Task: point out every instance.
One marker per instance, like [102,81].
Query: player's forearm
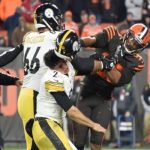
[97,66]
[87,41]
[114,75]
[7,80]
[8,56]
[79,117]
[86,66]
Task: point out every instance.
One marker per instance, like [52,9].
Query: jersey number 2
[34,66]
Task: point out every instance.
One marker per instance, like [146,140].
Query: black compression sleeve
[8,56]
[126,76]
[63,100]
[7,80]
[101,39]
[84,66]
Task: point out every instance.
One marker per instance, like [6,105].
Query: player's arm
[125,76]
[120,77]
[56,89]
[134,64]
[100,39]
[9,80]
[73,112]
[8,56]
[86,66]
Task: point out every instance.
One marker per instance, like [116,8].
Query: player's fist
[108,64]
[98,128]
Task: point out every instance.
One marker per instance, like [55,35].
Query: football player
[96,94]
[53,99]
[48,22]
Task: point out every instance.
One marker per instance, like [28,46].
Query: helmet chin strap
[47,24]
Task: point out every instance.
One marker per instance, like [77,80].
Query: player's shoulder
[31,33]
[33,37]
[51,34]
[53,76]
[111,31]
[54,81]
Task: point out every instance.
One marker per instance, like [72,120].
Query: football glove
[108,63]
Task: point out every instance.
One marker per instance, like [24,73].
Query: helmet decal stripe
[143,32]
[63,39]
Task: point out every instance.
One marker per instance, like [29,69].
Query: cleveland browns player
[96,94]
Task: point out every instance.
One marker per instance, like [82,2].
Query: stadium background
[10,123]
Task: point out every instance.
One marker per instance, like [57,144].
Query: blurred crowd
[86,17]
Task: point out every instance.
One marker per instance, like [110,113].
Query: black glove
[108,63]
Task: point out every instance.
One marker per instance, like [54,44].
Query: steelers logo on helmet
[49,13]
[75,46]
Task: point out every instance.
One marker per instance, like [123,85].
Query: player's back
[35,46]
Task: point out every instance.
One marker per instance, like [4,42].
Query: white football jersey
[35,46]
[54,81]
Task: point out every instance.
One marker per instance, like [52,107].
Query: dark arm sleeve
[126,76]
[104,37]
[8,56]
[101,39]
[7,80]
[63,100]
[83,66]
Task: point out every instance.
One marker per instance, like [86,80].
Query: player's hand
[108,63]
[98,128]
[18,83]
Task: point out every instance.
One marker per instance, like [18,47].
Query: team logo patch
[49,13]
[75,46]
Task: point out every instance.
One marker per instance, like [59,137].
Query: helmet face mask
[132,43]
[48,15]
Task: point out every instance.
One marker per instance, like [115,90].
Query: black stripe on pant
[51,135]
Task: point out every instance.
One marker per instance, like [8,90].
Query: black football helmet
[48,15]
[67,44]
